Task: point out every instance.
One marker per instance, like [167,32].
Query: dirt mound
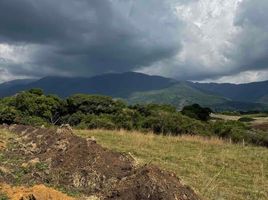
[149,182]
[38,192]
[69,160]
[61,159]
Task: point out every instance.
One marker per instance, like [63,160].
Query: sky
[199,40]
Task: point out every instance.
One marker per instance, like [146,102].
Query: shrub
[32,121]
[74,119]
[97,122]
[197,112]
[235,130]
[162,123]
[258,138]
[8,114]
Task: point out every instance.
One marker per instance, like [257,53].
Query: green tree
[32,104]
[197,112]
[93,104]
[8,114]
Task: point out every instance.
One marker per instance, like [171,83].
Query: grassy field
[214,168]
[258,118]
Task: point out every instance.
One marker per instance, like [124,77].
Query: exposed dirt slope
[61,159]
[149,182]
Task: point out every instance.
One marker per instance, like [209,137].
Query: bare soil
[149,182]
[60,159]
[38,192]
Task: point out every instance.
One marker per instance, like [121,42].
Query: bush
[197,112]
[33,121]
[97,122]
[74,119]
[8,114]
[258,138]
[230,129]
[162,123]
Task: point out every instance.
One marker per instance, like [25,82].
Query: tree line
[83,111]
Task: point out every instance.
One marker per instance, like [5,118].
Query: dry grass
[258,118]
[226,117]
[4,137]
[216,169]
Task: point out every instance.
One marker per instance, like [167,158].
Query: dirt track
[60,159]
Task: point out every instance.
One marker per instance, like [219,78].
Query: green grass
[215,169]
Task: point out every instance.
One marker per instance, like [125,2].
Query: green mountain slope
[178,95]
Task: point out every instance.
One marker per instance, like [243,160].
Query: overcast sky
[203,40]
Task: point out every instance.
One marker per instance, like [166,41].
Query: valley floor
[214,168]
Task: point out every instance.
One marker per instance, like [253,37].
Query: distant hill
[115,85]
[11,87]
[179,95]
[250,92]
[141,88]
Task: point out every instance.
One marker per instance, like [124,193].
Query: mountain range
[141,88]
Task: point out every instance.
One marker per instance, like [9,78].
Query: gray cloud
[184,39]
[88,37]
[251,50]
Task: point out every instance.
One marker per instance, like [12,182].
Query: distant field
[225,117]
[216,169]
[258,118]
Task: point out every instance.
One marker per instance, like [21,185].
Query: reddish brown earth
[38,192]
[60,159]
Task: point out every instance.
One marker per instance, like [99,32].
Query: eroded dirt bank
[60,159]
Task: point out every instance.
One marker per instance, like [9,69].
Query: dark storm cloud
[85,37]
[184,39]
[252,43]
